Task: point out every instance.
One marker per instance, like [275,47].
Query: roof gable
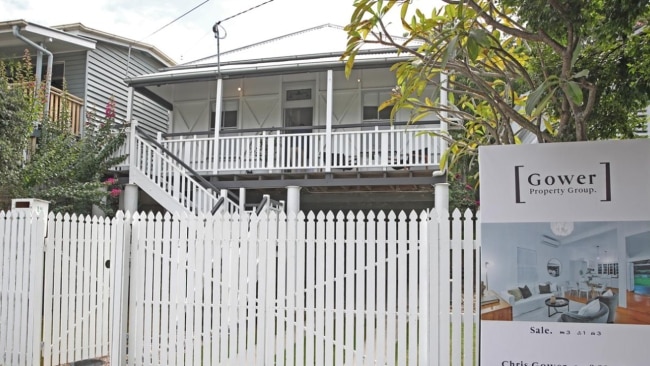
[83,31]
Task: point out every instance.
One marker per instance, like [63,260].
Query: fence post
[441,197]
[432,352]
[37,245]
[22,243]
[119,265]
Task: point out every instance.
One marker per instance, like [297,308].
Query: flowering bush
[113,187]
[69,170]
[109,112]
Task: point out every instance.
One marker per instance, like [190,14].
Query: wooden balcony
[66,108]
[364,147]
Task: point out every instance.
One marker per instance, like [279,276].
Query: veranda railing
[360,146]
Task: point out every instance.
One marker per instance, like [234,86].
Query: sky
[191,37]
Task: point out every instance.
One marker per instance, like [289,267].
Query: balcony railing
[347,147]
[66,108]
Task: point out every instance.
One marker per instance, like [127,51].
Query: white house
[290,125]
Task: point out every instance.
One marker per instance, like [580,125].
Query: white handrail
[173,179]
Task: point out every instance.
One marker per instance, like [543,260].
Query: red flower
[110,181]
[110,109]
[115,192]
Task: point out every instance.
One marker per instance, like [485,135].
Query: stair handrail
[206,183]
[262,204]
[266,199]
[217,205]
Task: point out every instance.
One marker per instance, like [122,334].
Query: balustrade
[395,147]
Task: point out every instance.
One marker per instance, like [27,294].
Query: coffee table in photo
[557,305]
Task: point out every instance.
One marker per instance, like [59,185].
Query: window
[229,113]
[608,269]
[58,72]
[298,105]
[294,117]
[371,102]
[298,94]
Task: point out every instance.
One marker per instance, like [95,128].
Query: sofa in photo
[529,297]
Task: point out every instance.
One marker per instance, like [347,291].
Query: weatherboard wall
[107,67]
[74,72]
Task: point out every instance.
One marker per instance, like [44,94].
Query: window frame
[371,100]
[303,100]
[228,106]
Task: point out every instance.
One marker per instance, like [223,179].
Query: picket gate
[76,289]
[307,289]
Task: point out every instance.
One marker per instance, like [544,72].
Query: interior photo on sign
[582,272]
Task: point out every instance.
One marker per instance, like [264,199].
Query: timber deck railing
[361,146]
[66,105]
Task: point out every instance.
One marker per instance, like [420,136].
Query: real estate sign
[565,256]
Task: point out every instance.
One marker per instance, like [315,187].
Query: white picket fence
[54,299]
[21,273]
[316,289]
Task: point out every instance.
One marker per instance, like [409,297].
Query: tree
[67,170]
[15,119]
[612,48]
[515,67]
[70,172]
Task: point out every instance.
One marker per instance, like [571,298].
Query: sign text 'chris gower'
[596,183]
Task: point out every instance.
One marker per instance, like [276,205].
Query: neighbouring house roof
[314,49]
[79,29]
[54,40]
[67,38]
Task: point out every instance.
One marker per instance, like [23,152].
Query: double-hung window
[371,102]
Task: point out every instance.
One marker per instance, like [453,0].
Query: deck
[274,151]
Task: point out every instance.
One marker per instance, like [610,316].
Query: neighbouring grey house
[279,119]
[93,64]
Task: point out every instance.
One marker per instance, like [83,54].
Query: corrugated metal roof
[326,39]
[211,72]
[312,49]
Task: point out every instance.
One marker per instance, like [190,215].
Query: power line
[178,18]
[217,25]
[241,13]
